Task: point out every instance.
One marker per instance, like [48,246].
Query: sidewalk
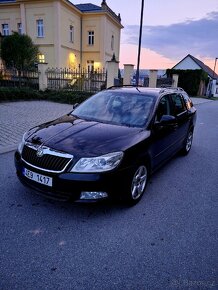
[17,117]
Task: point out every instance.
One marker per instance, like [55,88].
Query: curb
[8,149]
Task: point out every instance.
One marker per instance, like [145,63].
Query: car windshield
[119,108]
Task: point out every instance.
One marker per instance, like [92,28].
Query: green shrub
[17,94]
[189,79]
[25,94]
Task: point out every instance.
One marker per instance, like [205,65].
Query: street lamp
[139,48]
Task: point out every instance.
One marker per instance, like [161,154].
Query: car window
[178,105]
[188,101]
[121,108]
[163,107]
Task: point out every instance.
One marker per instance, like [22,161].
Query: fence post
[153,78]
[128,72]
[112,71]
[43,80]
[175,80]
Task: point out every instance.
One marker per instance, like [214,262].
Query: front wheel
[137,185]
[188,143]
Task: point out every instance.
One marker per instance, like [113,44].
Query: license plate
[43,179]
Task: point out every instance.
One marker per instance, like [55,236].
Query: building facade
[68,35]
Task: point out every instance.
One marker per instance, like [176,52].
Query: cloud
[196,37]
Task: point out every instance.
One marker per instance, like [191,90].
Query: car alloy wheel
[188,143]
[139,182]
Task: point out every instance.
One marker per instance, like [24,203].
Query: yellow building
[67,35]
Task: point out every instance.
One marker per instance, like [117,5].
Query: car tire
[136,186]
[187,143]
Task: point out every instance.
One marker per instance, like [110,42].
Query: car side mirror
[165,120]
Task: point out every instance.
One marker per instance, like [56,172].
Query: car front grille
[51,160]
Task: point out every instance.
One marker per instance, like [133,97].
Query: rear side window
[178,104]
[188,101]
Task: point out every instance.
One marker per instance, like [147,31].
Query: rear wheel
[188,143]
[137,185]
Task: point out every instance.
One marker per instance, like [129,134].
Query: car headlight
[21,144]
[98,164]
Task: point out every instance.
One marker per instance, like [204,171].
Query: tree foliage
[18,50]
[189,79]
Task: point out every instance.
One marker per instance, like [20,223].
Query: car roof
[137,90]
[156,92]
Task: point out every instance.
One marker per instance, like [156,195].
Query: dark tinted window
[188,101]
[178,105]
[163,107]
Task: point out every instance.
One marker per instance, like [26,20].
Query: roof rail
[125,86]
[172,88]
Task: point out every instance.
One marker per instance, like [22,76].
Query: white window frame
[71,33]
[91,37]
[90,65]
[19,28]
[40,28]
[5,29]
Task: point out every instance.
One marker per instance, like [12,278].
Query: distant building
[191,62]
[67,35]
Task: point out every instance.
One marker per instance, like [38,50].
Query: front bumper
[69,186]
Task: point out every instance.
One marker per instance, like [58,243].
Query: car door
[179,111]
[163,135]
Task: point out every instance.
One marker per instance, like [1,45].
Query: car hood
[85,138]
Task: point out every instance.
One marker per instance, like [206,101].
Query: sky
[171,30]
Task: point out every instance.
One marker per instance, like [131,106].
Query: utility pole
[139,47]
[214,67]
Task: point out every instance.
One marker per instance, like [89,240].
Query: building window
[112,42]
[90,65]
[19,28]
[41,58]
[5,29]
[91,37]
[40,28]
[71,33]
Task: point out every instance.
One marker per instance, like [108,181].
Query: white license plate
[43,179]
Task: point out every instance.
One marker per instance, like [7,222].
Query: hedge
[26,94]
[189,79]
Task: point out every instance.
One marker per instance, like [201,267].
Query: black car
[107,146]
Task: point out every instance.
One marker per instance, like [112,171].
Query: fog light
[93,195]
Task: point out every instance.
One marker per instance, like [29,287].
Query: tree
[18,51]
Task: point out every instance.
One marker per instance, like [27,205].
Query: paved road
[168,241]
[17,117]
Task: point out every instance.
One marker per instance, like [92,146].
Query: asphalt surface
[167,241]
[17,117]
